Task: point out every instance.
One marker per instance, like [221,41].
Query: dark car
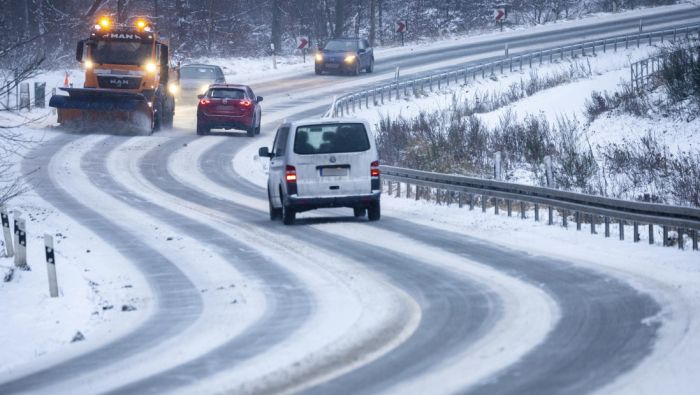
[345,55]
[195,80]
[229,106]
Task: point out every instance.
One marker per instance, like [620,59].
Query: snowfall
[102,295]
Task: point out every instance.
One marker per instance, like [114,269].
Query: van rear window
[331,139]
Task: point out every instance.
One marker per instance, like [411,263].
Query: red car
[229,106]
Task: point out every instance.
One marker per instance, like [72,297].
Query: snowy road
[334,304]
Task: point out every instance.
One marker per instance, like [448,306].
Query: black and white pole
[22,245]
[51,265]
[15,231]
[9,248]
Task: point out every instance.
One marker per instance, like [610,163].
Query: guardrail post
[578,220]
[391,187]
[593,48]
[417,195]
[627,39]
[483,203]
[635,229]
[565,219]
[551,215]
[509,206]
[622,229]
[529,59]
[674,35]
[521,62]
[583,50]
[607,226]
[605,42]
[551,55]
[460,200]
[408,191]
[615,45]
[431,83]
[540,57]
[437,196]
[537,212]
[561,53]
[439,83]
[665,235]
[651,233]
[367,100]
[650,39]
[495,206]
[638,39]
[398,189]
[9,248]
[695,239]
[522,210]
[681,241]
[593,231]
[51,265]
[471,201]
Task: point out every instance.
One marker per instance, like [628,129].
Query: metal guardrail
[394,90]
[643,72]
[585,208]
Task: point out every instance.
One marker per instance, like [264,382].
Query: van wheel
[359,212]
[288,215]
[275,213]
[374,211]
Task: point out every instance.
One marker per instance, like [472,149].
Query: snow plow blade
[87,107]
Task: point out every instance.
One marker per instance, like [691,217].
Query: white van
[320,163]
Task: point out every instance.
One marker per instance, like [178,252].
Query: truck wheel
[374,211]
[168,120]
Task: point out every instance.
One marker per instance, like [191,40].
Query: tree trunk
[381,22]
[339,18]
[372,22]
[276,33]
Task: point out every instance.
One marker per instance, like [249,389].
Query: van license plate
[334,171]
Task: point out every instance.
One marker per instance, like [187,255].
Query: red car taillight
[246,103]
[374,169]
[204,102]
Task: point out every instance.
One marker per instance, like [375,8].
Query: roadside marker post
[401,29]
[51,265]
[15,230]
[9,248]
[22,245]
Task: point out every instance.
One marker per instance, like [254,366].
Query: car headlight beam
[319,57]
[350,59]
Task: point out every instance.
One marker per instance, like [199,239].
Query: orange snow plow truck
[127,81]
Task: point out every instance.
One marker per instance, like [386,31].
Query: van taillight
[374,169]
[204,102]
[290,174]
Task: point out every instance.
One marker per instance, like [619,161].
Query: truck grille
[118,82]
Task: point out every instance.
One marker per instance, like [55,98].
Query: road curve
[178,301]
[601,331]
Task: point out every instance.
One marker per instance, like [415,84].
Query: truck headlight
[173,88]
[151,67]
[88,64]
[350,59]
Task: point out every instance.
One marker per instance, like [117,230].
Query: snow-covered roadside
[96,283]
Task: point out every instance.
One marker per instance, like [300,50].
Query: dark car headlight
[350,58]
[319,57]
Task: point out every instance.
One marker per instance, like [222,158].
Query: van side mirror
[200,96]
[79,51]
[259,99]
[264,152]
